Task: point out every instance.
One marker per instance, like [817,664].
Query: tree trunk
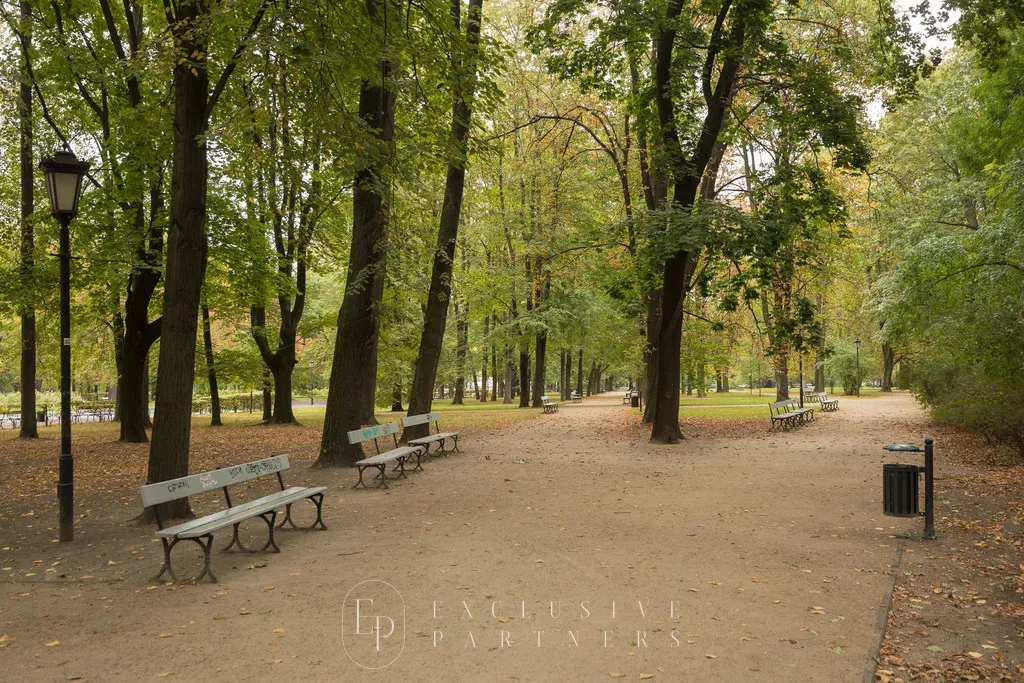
[524,376]
[509,370]
[462,341]
[561,376]
[27,265]
[396,398]
[436,314]
[819,357]
[355,349]
[186,255]
[482,397]
[539,361]
[211,370]
[494,367]
[650,352]
[268,396]
[283,411]
[702,386]
[679,267]
[782,372]
[888,362]
[579,374]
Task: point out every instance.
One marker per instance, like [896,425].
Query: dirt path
[762,558]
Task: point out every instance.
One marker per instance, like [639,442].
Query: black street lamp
[64,173]
[856,345]
[311,382]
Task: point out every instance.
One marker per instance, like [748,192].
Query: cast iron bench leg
[270,518]
[318,500]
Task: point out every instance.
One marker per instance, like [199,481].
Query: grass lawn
[744,397]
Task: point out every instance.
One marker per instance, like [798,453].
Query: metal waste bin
[634,400]
[900,490]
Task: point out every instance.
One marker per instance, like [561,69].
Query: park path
[558,548]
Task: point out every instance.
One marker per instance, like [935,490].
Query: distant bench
[439,437]
[548,405]
[787,414]
[828,405]
[202,528]
[576,398]
[380,461]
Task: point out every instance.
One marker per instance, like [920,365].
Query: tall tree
[27,265]
[353,382]
[190,25]
[463,66]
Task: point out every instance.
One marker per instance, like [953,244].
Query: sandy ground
[559,548]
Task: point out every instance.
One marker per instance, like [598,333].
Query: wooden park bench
[576,398]
[627,397]
[201,530]
[438,437]
[788,413]
[548,405]
[380,461]
[828,405]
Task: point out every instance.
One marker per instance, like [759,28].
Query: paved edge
[882,620]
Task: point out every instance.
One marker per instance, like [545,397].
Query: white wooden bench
[576,398]
[828,405]
[788,413]
[380,461]
[438,437]
[548,405]
[202,528]
[627,397]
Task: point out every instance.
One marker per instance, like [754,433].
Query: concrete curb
[882,620]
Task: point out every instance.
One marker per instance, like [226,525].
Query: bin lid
[902,447]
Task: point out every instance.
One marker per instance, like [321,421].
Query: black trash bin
[634,399]
[41,416]
[899,490]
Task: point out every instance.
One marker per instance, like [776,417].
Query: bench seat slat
[201,526]
[432,438]
[388,456]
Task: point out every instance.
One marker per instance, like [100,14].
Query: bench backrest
[183,487]
[412,420]
[780,407]
[545,399]
[374,433]
[823,396]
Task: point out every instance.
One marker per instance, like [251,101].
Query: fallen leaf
[57,642]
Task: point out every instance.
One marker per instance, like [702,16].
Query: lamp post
[856,345]
[311,382]
[64,173]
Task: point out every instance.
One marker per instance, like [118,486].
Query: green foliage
[842,365]
[950,217]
